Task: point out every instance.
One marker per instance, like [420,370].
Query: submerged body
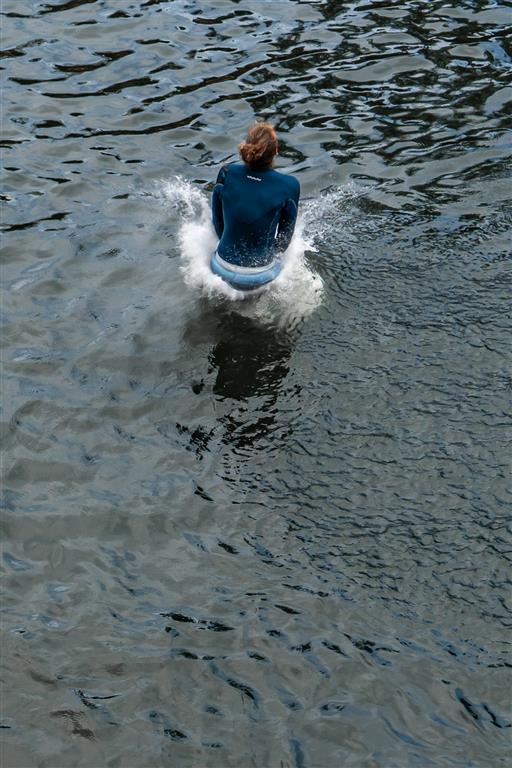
[254,214]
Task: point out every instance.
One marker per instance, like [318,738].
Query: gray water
[266,533]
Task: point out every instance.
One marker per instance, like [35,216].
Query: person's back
[254,207]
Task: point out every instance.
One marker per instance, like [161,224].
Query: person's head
[260,148]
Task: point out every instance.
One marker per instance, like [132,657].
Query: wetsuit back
[254,214]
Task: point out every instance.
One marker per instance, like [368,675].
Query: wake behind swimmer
[296,291]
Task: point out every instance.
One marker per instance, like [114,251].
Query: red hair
[260,148]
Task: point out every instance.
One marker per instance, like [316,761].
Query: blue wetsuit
[254,215]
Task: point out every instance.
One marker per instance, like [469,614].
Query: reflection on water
[267,532]
[247,364]
[249,361]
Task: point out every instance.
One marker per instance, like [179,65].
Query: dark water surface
[242,538]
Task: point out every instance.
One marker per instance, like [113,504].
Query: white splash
[293,295]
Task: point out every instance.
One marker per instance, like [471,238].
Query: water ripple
[272,532]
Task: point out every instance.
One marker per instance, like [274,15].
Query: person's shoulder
[291,183]
[237,169]
[295,182]
[227,169]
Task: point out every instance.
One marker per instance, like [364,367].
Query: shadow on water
[248,363]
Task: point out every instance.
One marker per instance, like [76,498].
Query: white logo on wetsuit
[254,178]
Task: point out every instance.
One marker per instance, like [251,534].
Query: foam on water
[295,293]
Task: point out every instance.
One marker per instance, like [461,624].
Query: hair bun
[261,146]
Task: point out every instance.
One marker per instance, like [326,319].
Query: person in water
[254,210]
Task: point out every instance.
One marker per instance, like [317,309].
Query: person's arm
[286,225]
[288,218]
[217,214]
